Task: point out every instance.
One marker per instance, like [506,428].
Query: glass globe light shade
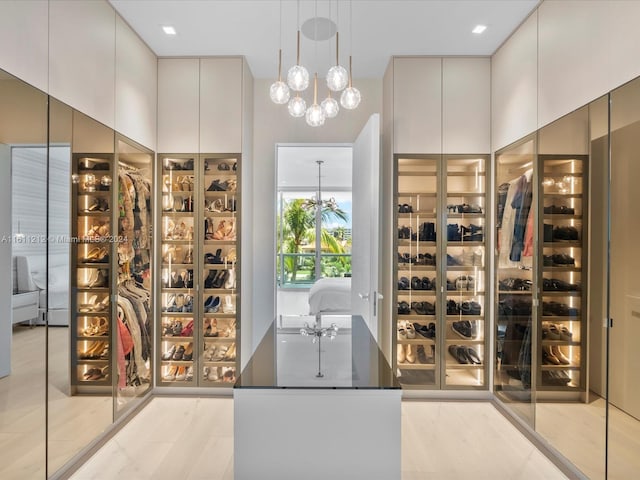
[297,106]
[350,98]
[337,78]
[330,107]
[315,116]
[298,78]
[279,92]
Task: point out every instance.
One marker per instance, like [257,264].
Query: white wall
[248,231]
[567,54]
[273,124]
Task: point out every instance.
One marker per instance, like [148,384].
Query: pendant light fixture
[279,91]
[350,98]
[338,79]
[298,76]
[330,106]
[297,106]
[315,114]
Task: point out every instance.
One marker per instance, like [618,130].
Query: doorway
[313,225]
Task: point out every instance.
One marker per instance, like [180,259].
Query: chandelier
[337,78]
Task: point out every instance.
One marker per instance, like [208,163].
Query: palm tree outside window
[300,252]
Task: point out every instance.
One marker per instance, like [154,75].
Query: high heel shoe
[171,254]
[208,229]
[178,353]
[100,280]
[212,304]
[230,230]
[230,356]
[230,283]
[181,374]
[220,279]
[188,258]
[168,355]
[188,353]
[209,281]
[219,234]
[228,306]
[170,376]
[211,328]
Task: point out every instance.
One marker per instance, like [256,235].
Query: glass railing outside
[299,269]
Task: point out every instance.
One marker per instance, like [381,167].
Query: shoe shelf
[409,216]
[178,297]
[416,366]
[417,195]
[563,203]
[416,268]
[90,332]
[561,294]
[563,244]
[431,191]
[460,194]
[563,195]
[203,192]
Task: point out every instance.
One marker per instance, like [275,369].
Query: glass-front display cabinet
[440,271]
[199,274]
[514,276]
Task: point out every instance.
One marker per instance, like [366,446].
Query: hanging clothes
[134,295]
[521,204]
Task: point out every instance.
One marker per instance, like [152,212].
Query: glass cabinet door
[178,296]
[563,281]
[465,325]
[514,270]
[416,352]
[220,296]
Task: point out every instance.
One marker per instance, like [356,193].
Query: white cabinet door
[365,225]
[178,105]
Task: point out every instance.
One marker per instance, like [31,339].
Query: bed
[31,276]
[330,296]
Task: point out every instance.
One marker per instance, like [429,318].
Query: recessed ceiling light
[479,28]
[169,30]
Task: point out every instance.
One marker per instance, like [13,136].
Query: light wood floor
[440,440]
[73,421]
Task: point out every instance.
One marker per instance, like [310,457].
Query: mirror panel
[80,398]
[570,403]
[23,231]
[624,289]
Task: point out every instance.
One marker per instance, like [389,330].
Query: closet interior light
[168,29]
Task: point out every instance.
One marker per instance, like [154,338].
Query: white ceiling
[381,28]
[297,166]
